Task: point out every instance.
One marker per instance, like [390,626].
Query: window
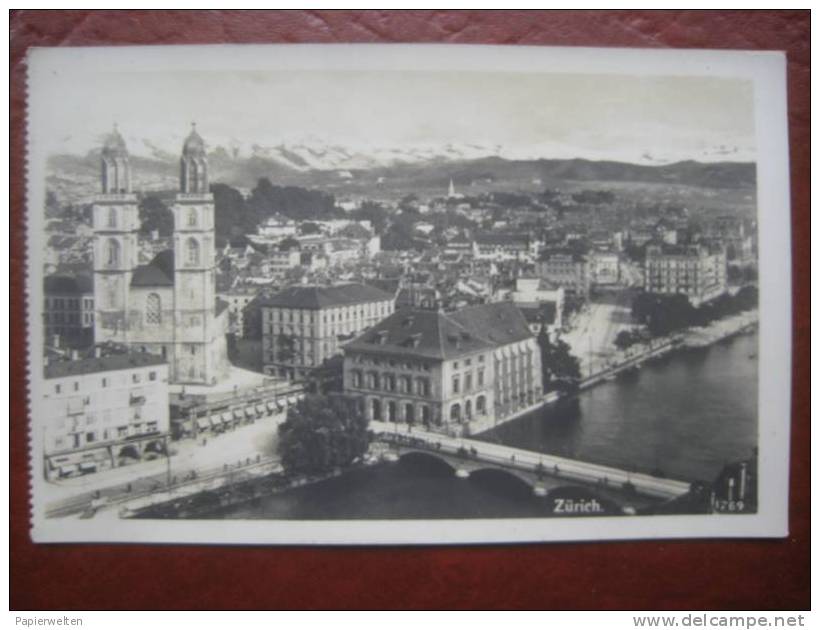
[90,437]
[480,378]
[192,217]
[468,382]
[57,389]
[105,382]
[456,384]
[112,253]
[192,252]
[152,376]
[135,378]
[153,309]
[357,378]
[112,218]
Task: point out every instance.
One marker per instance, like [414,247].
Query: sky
[523,115]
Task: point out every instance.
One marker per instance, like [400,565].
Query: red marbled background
[750,574]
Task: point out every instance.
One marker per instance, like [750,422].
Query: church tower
[116,224]
[196,333]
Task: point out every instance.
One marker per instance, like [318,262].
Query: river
[686,415]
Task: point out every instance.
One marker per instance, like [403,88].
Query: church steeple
[452,191]
[193,171]
[115,164]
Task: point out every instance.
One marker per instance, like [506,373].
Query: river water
[684,415]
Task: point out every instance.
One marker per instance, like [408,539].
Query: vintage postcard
[407,294]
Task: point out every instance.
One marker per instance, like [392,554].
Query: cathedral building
[168,307]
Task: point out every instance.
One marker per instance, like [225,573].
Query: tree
[323,433]
[560,369]
[623,340]
[232,216]
[308,227]
[155,215]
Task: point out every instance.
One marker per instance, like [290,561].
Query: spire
[194,144]
[114,163]
[452,191]
[193,177]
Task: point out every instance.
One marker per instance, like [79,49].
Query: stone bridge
[543,473]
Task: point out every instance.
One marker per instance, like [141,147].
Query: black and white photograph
[413,294]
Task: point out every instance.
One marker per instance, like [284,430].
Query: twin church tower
[169,306]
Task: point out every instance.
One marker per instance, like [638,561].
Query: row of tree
[664,314]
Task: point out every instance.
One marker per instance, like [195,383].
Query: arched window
[112,253]
[153,309]
[468,410]
[481,405]
[112,218]
[192,252]
[455,412]
[376,409]
[192,217]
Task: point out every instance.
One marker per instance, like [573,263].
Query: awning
[67,470]
[249,412]
[271,405]
[202,423]
[280,404]
[291,400]
[260,408]
[88,467]
[215,420]
[237,413]
[227,417]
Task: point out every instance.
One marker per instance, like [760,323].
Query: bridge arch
[511,479]
[427,462]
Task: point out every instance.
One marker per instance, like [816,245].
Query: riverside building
[103,412]
[445,370]
[696,271]
[304,325]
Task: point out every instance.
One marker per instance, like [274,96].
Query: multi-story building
[566,268]
[605,267]
[304,325]
[502,246]
[103,412]
[69,308]
[281,261]
[696,271]
[445,369]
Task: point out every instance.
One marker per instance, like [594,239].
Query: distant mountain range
[75,178]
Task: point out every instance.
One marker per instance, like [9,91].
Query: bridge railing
[507,457]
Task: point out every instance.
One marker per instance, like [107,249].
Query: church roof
[313,297]
[158,273]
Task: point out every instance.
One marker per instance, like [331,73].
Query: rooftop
[314,297]
[438,335]
[73,285]
[109,363]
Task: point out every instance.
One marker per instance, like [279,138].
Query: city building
[565,267]
[541,302]
[446,369]
[167,307]
[605,267]
[696,271]
[69,308]
[502,246]
[103,412]
[304,325]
